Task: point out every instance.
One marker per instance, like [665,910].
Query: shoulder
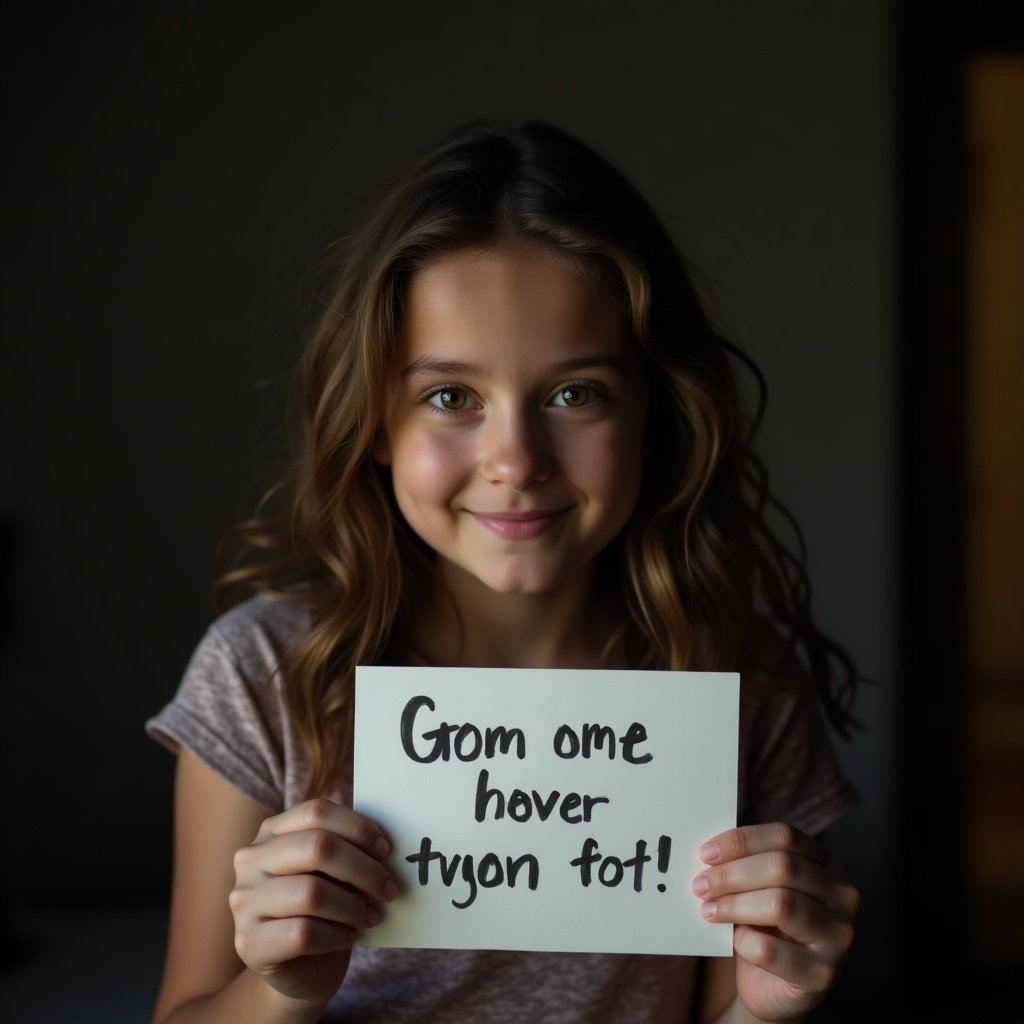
[231,709]
[258,633]
[239,663]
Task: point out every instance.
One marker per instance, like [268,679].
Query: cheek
[427,468]
[607,463]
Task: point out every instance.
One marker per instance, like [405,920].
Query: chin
[521,582]
[516,586]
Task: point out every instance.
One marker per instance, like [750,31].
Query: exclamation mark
[664,852]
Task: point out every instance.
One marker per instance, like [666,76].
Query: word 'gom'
[468,742]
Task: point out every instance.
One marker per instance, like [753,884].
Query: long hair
[701,561]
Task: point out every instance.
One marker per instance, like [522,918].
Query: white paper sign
[555,810]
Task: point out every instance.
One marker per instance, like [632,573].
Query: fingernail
[372,916]
[389,890]
[708,910]
[701,885]
[381,846]
[710,852]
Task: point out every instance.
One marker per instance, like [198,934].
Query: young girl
[523,447]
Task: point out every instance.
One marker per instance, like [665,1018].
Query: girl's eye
[576,396]
[450,400]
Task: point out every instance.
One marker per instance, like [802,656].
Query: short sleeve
[229,709]
[788,770]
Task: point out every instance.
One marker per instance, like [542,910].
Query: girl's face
[515,420]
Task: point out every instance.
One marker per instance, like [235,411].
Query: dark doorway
[962,853]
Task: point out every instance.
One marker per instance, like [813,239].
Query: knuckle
[781,904]
[300,935]
[760,950]
[739,842]
[236,900]
[721,878]
[784,867]
[317,811]
[245,947]
[242,859]
[320,846]
[310,894]
[784,835]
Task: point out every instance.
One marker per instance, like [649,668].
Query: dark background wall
[173,170]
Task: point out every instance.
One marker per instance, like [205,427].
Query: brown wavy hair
[699,565]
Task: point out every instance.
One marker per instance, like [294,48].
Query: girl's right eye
[448,399]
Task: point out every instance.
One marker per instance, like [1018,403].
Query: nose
[516,450]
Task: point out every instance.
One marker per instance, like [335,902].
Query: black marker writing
[466,741]
[593,737]
[522,805]
[612,870]
[489,873]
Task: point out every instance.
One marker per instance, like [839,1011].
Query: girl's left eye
[576,396]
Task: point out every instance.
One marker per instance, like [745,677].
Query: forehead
[520,295]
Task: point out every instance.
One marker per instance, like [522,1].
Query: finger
[302,896]
[315,850]
[331,817]
[278,941]
[749,840]
[797,916]
[776,869]
[794,964]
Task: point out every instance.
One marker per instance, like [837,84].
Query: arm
[794,912]
[201,958]
[280,906]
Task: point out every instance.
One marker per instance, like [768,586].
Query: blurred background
[847,174]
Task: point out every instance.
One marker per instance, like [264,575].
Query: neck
[465,623]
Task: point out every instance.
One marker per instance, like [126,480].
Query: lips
[520,525]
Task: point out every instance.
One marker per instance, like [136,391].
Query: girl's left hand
[794,912]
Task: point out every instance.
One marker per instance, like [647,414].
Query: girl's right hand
[305,888]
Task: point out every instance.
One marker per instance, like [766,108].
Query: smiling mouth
[520,525]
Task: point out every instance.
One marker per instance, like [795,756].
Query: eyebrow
[453,368]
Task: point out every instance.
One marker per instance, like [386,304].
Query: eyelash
[598,392]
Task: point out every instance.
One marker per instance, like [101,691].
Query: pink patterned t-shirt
[230,712]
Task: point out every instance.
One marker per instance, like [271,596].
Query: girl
[523,447]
